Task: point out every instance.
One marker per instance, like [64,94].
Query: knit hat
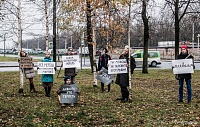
[184,47]
[66,77]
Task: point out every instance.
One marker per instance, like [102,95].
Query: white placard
[71,61]
[46,67]
[182,66]
[46,70]
[117,66]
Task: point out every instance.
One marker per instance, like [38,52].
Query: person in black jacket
[103,62]
[184,55]
[123,79]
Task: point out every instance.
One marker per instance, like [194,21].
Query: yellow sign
[50,44]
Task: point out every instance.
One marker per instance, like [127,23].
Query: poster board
[70,61]
[182,66]
[69,93]
[104,77]
[117,66]
[46,67]
[26,62]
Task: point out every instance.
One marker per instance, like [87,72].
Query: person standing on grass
[184,55]
[103,62]
[123,79]
[29,73]
[71,72]
[47,79]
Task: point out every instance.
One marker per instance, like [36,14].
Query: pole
[198,42]
[193,38]
[54,30]
[71,41]
[4,45]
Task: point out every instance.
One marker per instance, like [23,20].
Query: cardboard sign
[117,66]
[26,62]
[104,77]
[46,67]
[70,61]
[69,93]
[182,66]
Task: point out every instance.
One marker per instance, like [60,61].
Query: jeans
[73,79]
[189,89]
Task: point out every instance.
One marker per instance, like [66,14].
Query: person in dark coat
[184,55]
[72,72]
[29,73]
[123,79]
[103,62]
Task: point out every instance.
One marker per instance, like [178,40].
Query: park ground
[154,102]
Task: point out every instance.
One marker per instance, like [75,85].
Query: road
[166,64]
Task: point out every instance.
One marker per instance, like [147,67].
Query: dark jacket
[70,71]
[183,56]
[47,77]
[123,79]
[103,61]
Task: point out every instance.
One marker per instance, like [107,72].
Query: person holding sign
[184,55]
[47,79]
[72,72]
[29,72]
[123,79]
[103,62]
[66,82]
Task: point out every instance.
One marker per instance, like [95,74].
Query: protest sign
[71,61]
[69,93]
[117,66]
[46,67]
[104,77]
[26,62]
[182,66]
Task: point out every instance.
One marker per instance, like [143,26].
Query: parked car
[153,58]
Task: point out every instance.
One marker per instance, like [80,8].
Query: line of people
[122,79]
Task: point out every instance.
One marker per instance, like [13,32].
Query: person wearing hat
[67,81]
[184,55]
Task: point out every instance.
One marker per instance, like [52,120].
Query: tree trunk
[94,50]
[146,37]
[47,27]
[89,34]
[19,46]
[177,29]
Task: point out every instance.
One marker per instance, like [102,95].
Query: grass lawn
[155,97]
[13,59]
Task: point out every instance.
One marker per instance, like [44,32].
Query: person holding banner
[29,73]
[47,79]
[72,72]
[123,79]
[184,55]
[66,82]
[103,62]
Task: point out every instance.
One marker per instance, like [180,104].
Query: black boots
[102,87]
[47,91]
[32,87]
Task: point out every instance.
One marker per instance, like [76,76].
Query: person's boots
[49,90]
[102,87]
[33,87]
[109,88]
[45,88]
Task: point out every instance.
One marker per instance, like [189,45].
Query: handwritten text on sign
[26,62]
[117,66]
[46,67]
[182,66]
[69,93]
[104,77]
[71,61]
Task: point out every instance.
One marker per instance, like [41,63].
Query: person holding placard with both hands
[184,55]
